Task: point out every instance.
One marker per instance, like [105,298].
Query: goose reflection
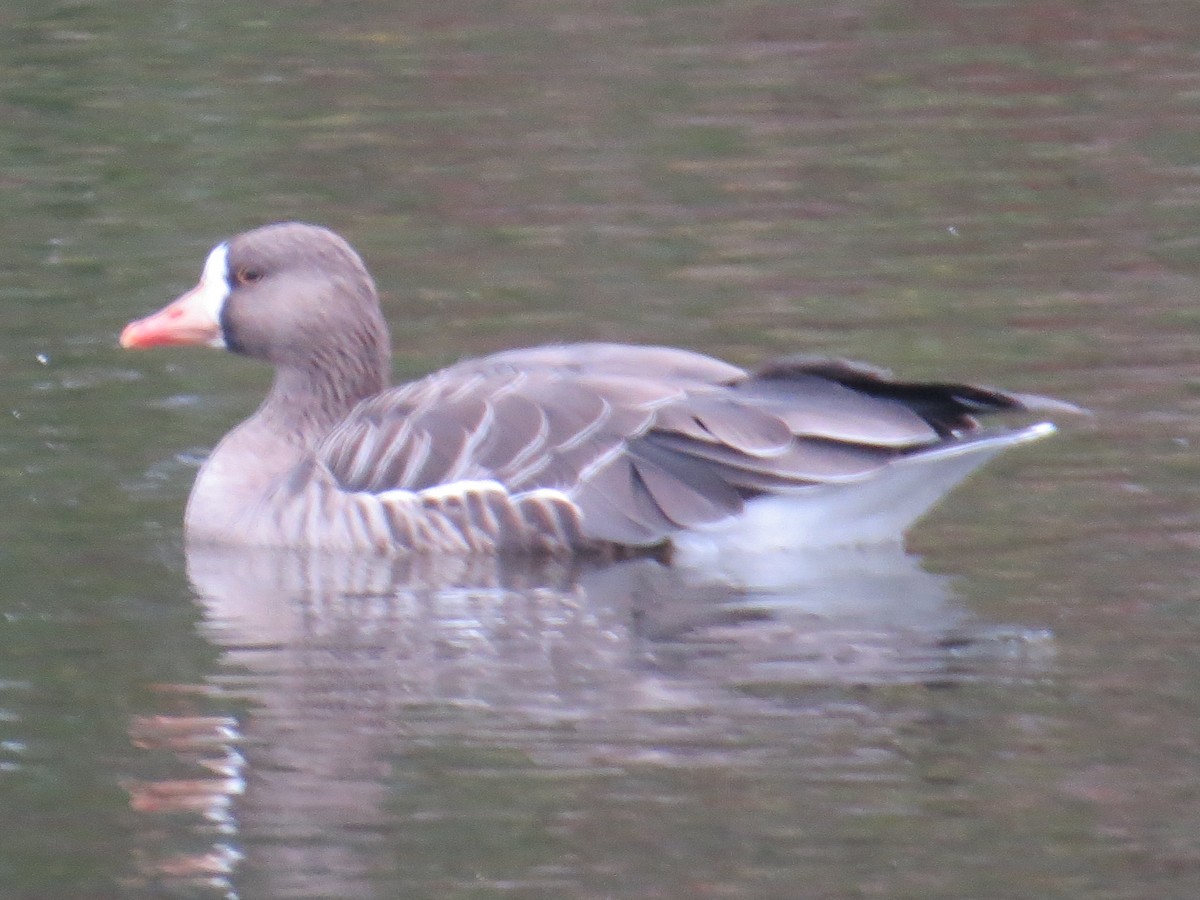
[348,663]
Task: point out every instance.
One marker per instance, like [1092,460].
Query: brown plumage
[553,449]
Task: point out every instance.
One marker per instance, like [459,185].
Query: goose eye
[248,275]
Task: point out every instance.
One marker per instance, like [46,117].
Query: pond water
[1005,192]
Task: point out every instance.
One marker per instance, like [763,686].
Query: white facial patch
[213,290]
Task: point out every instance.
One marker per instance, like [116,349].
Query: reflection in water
[349,664]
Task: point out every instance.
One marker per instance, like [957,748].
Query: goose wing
[642,442]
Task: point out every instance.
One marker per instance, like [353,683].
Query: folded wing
[641,445]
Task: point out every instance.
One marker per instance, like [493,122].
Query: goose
[588,448]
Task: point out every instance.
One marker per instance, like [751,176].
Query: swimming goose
[574,448]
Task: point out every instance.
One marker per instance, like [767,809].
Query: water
[1004,192]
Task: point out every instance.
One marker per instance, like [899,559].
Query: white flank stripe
[461,489]
[543,494]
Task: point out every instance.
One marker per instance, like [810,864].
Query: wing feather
[805,460]
[687,492]
[811,406]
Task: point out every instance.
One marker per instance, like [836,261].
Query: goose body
[559,449]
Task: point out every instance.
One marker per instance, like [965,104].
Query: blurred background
[1003,192]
